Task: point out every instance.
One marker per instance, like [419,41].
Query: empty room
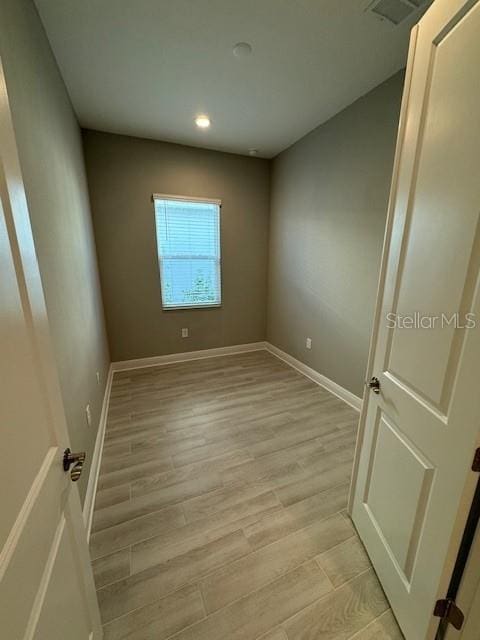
[239,320]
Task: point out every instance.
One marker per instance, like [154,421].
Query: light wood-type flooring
[220,511]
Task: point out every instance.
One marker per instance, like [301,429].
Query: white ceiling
[147,67]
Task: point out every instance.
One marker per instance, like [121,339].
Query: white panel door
[421,429]
[46,585]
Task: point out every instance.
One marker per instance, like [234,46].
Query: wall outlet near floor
[184,333]
[308,343]
[88,414]
[98,377]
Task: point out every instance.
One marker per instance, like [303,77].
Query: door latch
[374,384]
[77,459]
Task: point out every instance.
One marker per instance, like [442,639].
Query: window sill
[193,307]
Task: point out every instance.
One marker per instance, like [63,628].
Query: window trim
[169,196]
[181,198]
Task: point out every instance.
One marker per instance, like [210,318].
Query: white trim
[217,260]
[89,503]
[216,305]
[171,358]
[347,396]
[169,196]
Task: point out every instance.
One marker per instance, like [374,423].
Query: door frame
[472,477]
[467,596]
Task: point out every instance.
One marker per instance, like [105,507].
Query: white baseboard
[89,503]
[347,396]
[171,358]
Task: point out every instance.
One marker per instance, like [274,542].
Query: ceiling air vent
[395,11]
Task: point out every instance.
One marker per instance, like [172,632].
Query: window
[188,244]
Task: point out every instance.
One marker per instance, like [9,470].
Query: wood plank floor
[220,511]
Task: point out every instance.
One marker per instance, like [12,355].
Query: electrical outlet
[308,343]
[185,333]
[98,377]
[88,413]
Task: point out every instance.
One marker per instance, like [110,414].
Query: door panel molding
[420,494]
[25,511]
[45,581]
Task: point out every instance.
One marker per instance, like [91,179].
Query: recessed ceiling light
[252,152]
[242,50]
[202,121]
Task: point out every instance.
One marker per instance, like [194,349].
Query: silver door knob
[75,459]
[374,385]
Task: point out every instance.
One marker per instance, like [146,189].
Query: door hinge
[476,460]
[448,611]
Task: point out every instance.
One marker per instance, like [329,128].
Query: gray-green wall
[328,211]
[123,172]
[50,151]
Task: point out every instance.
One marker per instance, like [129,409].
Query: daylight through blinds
[188,241]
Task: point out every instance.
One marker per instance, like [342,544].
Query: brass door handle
[77,459]
[374,385]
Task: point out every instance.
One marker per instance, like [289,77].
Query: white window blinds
[188,243]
